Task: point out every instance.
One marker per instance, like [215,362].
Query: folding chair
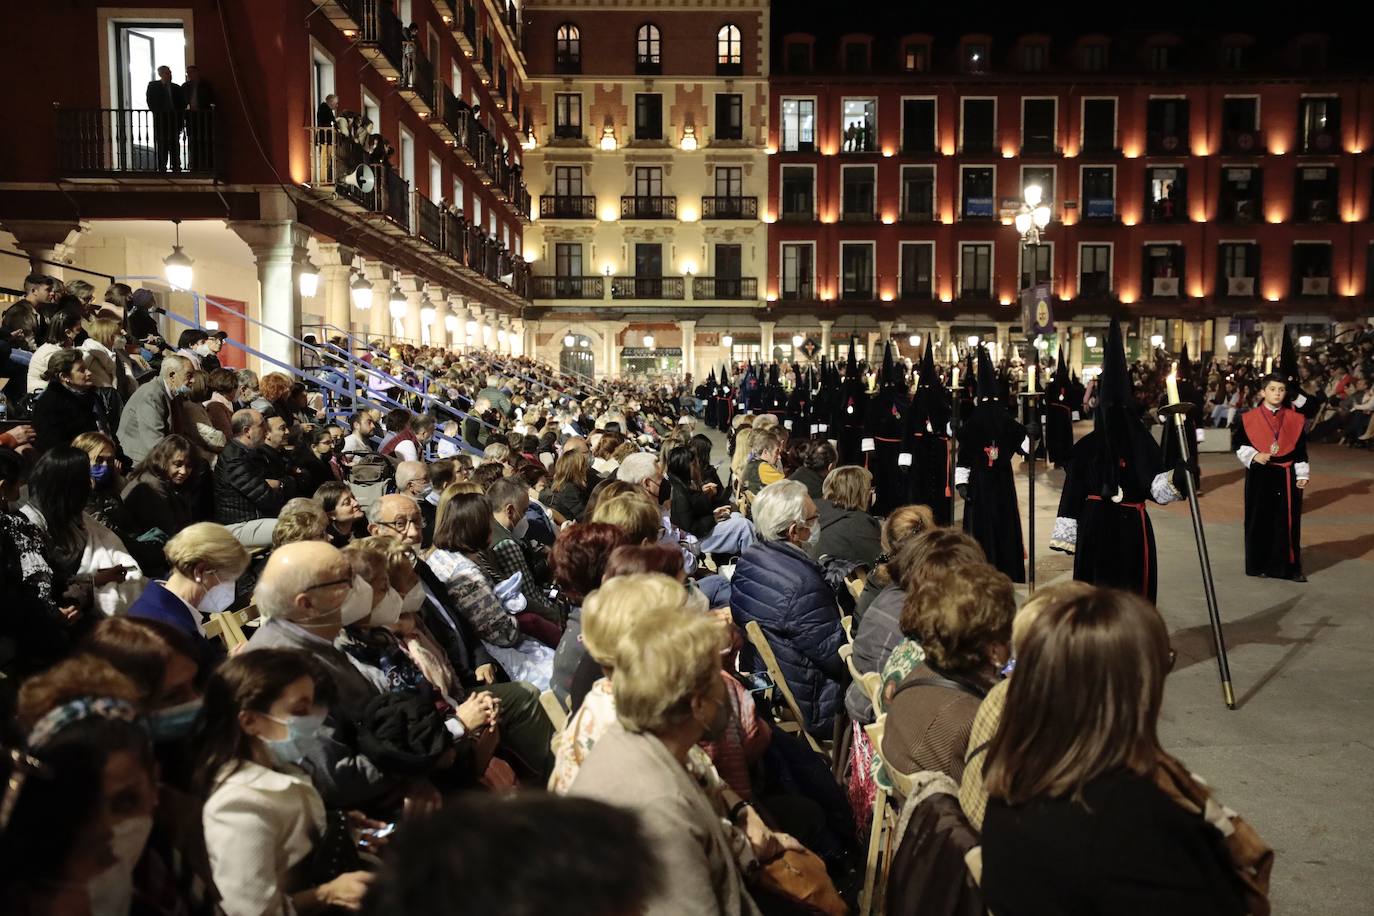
[847,624]
[770,661]
[554,710]
[870,683]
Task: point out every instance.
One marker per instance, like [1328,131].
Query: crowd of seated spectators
[251,631]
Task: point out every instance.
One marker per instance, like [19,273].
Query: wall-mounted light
[607,269]
[770,151]
[1305,340]
[609,214]
[973,340]
[1230,341]
[309,279]
[689,268]
[1090,340]
[212,325]
[914,340]
[608,143]
[360,292]
[177,265]
[1156,340]
[649,341]
[726,340]
[569,340]
[689,138]
[530,256]
[687,214]
[451,324]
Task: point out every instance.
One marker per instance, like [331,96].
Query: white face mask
[520,529]
[217,598]
[358,604]
[112,891]
[413,599]
[388,611]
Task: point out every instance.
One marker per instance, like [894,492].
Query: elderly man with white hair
[306,591]
[779,584]
[642,469]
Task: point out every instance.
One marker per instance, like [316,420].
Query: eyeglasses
[403,524]
[334,584]
[811,520]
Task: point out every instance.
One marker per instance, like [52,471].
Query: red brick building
[1191,178]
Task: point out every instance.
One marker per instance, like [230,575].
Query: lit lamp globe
[1023,222]
[451,324]
[360,292]
[1033,195]
[1230,340]
[797,340]
[973,340]
[1090,340]
[1041,217]
[649,341]
[914,340]
[309,279]
[726,340]
[1156,340]
[178,268]
[569,340]
[427,316]
[1305,340]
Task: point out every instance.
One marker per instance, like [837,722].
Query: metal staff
[1177,411]
[953,460]
[1030,397]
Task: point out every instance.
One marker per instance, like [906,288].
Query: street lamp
[569,340]
[649,341]
[1305,340]
[914,340]
[309,279]
[360,292]
[726,340]
[1090,340]
[1031,220]
[396,304]
[1230,340]
[177,265]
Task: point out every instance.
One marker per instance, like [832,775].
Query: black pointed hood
[930,405]
[988,387]
[1120,440]
[891,376]
[1185,365]
[851,363]
[1114,384]
[927,372]
[1061,369]
[1288,363]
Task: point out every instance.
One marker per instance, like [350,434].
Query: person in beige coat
[669,696]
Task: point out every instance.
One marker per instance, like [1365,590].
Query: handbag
[800,878]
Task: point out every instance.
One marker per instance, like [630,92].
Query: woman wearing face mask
[265,824]
[63,330]
[67,407]
[205,560]
[83,725]
[104,503]
[779,584]
[313,453]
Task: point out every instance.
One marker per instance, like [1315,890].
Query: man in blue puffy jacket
[778,583]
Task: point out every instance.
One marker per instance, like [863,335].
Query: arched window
[647,46]
[568,46]
[728,46]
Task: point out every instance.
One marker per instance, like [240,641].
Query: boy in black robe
[988,439]
[1271,441]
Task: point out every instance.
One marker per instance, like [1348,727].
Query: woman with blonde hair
[668,696]
[633,514]
[102,348]
[206,560]
[568,491]
[104,502]
[905,523]
[1083,803]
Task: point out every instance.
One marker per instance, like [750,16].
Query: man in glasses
[525,729]
[301,595]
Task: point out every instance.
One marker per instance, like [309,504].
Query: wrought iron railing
[633,207]
[567,287]
[567,207]
[725,287]
[121,141]
[647,288]
[729,208]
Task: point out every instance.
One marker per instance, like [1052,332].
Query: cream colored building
[648,176]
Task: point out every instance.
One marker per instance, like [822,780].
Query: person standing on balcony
[408,56]
[166,100]
[327,113]
[200,101]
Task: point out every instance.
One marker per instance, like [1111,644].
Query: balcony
[919,214]
[857,216]
[647,288]
[797,216]
[803,291]
[1160,143]
[1243,142]
[463,24]
[567,287]
[632,207]
[733,288]
[417,82]
[567,64]
[122,142]
[862,291]
[380,39]
[729,208]
[429,222]
[567,207]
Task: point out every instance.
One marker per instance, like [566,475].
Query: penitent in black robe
[1188,393]
[987,441]
[1102,515]
[1059,410]
[1273,502]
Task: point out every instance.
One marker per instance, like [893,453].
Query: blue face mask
[183,391]
[300,732]
[101,473]
[174,723]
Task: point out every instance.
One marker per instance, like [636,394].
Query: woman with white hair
[779,584]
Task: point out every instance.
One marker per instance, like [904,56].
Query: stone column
[438,300]
[278,247]
[413,288]
[379,315]
[884,333]
[826,325]
[517,330]
[50,240]
[458,311]
[335,269]
[1076,348]
[766,341]
[688,327]
[1003,340]
[942,342]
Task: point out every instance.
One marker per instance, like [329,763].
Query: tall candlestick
[1030,378]
[954,379]
[1172,384]
[1268,364]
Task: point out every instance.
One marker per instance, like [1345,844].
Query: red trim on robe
[1259,429]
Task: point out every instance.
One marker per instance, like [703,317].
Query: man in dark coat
[1271,441]
[724,404]
[200,101]
[1060,412]
[928,449]
[988,439]
[1113,471]
[166,100]
[707,393]
[884,431]
[243,490]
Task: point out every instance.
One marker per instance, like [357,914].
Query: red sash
[1263,428]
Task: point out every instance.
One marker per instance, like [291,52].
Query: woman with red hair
[577,561]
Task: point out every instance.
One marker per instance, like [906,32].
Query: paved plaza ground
[1296,757]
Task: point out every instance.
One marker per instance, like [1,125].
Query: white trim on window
[873,263]
[814,203]
[1054,133]
[959,212]
[901,259]
[992,267]
[1116,119]
[871,169]
[1111,265]
[901,125]
[996,135]
[783,244]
